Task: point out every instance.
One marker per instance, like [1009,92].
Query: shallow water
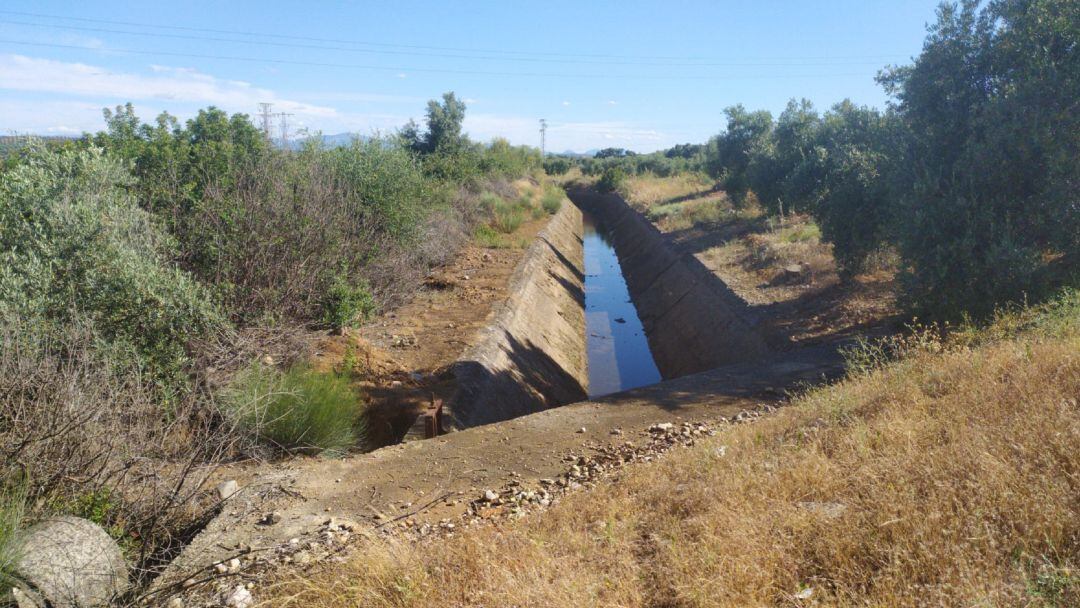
[619,356]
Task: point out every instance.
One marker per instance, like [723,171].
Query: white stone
[227,488]
[239,598]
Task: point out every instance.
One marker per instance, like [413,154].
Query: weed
[12,512]
[486,236]
[299,410]
[552,200]
[508,217]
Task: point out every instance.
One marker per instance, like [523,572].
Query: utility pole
[284,116]
[543,135]
[265,119]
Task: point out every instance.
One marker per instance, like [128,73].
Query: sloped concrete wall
[693,321]
[532,356]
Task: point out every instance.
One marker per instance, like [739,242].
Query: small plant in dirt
[486,236]
[551,201]
[508,217]
[300,410]
[347,305]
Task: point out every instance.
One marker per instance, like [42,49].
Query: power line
[419,69]
[404,46]
[543,134]
[440,55]
[265,118]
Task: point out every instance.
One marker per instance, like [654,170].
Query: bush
[612,180]
[557,166]
[74,242]
[298,410]
[347,305]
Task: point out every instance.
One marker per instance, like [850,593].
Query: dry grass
[647,191]
[797,243]
[947,478]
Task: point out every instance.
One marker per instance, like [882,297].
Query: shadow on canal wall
[531,357]
[693,321]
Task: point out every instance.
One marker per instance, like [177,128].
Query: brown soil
[401,358]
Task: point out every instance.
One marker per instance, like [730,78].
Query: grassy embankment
[947,476]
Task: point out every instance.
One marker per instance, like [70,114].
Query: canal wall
[693,321]
[532,355]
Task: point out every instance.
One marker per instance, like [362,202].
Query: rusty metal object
[433,418]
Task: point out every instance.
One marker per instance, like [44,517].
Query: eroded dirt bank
[693,321]
[531,357]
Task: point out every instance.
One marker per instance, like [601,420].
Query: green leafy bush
[298,410]
[74,242]
[347,305]
[557,166]
[612,180]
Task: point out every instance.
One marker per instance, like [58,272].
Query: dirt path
[434,480]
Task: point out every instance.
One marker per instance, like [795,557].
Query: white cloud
[612,102]
[402,75]
[566,104]
[177,84]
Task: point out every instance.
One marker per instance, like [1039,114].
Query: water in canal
[619,356]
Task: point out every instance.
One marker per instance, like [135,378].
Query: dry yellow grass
[648,190]
[951,477]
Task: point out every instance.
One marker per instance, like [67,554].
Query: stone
[71,562]
[175,603]
[271,518]
[662,427]
[227,488]
[830,510]
[490,496]
[581,430]
[239,598]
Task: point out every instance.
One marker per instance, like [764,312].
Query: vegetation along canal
[618,352]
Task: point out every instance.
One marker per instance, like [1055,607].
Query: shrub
[347,305]
[552,200]
[74,242]
[612,180]
[557,166]
[298,410]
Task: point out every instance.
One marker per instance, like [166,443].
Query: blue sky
[642,75]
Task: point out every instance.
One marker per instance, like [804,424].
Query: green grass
[12,512]
[508,217]
[801,233]
[551,201]
[298,410]
[486,236]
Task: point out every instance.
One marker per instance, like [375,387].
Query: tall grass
[299,410]
[12,512]
[551,201]
[508,216]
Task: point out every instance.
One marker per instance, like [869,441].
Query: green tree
[729,154]
[990,180]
